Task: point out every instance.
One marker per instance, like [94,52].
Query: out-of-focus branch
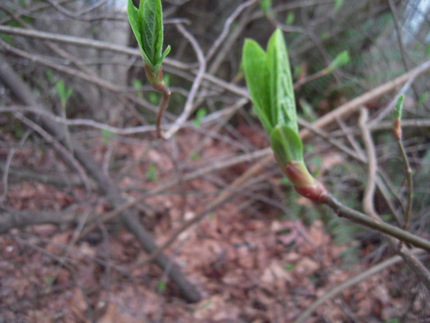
[188,109]
[372,167]
[349,283]
[363,219]
[355,104]
[226,27]
[12,219]
[106,185]
[413,262]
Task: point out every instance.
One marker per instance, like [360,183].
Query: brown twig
[414,263]
[312,77]
[408,212]
[349,283]
[189,104]
[355,104]
[363,219]
[163,106]
[372,166]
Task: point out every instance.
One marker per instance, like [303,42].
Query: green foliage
[290,18]
[297,70]
[266,6]
[289,267]
[340,60]
[137,84]
[195,156]
[63,93]
[200,114]
[308,110]
[151,174]
[161,286]
[257,76]
[268,77]
[107,136]
[147,25]
[423,98]
[286,144]
[50,76]
[427,51]
[395,320]
[338,4]
[269,80]
[154,98]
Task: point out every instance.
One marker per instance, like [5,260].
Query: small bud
[397,129]
[304,183]
[155,77]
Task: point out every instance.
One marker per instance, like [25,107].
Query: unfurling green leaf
[283,109]
[269,80]
[340,60]
[268,77]
[147,25]
[257,78]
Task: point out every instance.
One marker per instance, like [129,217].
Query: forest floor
[250,262]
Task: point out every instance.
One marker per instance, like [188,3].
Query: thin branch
[369,193]
[59,147]
[349,283]
[226,27]
[363,219]
[188,109]
[409,179]
[355,104]
[414,74]
[11,219]
[414,263]
[211,118]
[228,42]
[8,162]
[106,184]
[164,104]
[79,41]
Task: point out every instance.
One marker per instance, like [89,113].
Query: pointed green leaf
[340,60]
[399,107]
[257,76]
[147,25]
[152,29]
[165,53]
[63,92]
[283,104]
[286,144]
